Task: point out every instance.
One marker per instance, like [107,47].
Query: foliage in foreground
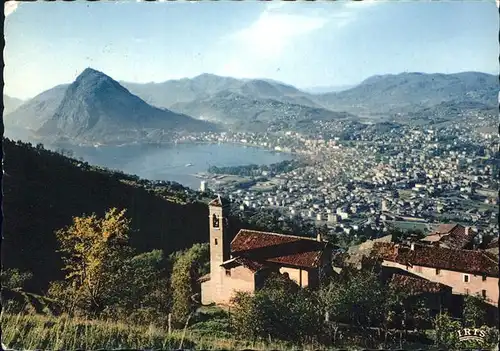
[280,310]
[55,333]
[104,278]
[188,266]
[14,279]
[446,335]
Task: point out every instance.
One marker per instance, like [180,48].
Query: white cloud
[269,35]
[10,7]
[255,49]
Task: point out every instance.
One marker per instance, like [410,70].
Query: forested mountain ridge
[43,191]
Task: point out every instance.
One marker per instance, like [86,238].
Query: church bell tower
[219,245]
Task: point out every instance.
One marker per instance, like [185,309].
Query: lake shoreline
[177,162]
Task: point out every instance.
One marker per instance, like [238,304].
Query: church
[244,263]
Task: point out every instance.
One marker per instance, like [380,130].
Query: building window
[215,221]
[466,278]
[483,292]
[484,277]
[215,241]
[438,271]
[228,272]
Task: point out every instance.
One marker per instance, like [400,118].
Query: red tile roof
[254,266]
[277,248]
[493,244]
[470,261]
[415,286]
[217,202]
[445,228]
[453,236]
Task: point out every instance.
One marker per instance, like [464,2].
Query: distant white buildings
[203,185]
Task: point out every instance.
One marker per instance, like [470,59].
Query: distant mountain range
[97,108]
[247,112]
[410,91]
[204,86]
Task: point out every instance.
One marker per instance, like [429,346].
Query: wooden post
[169,323]
[184,331]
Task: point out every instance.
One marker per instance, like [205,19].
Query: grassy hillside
[44,332]
[43,190]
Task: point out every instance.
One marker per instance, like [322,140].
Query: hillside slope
[10,104]
[246,113]
[33,113]
[43,190]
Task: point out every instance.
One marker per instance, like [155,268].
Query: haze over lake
[161,162]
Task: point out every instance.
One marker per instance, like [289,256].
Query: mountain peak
[95,106]
[92,74]
[91,81]
[207,75]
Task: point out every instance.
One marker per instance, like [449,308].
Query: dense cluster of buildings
[406,174]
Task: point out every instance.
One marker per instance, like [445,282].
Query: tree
[13,278]
[281,309]
[104,277]
[188,266]
[146,295]
[358,299]
[94,250]
[474,313]
[446,331]
[243,315]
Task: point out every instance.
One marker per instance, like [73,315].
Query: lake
[161,162]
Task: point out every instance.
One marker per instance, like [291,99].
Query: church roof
[218,202]
[241,261]
[288,250]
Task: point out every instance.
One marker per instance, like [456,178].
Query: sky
[305,44]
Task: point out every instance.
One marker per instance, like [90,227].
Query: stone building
[466,272]
[244,263]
